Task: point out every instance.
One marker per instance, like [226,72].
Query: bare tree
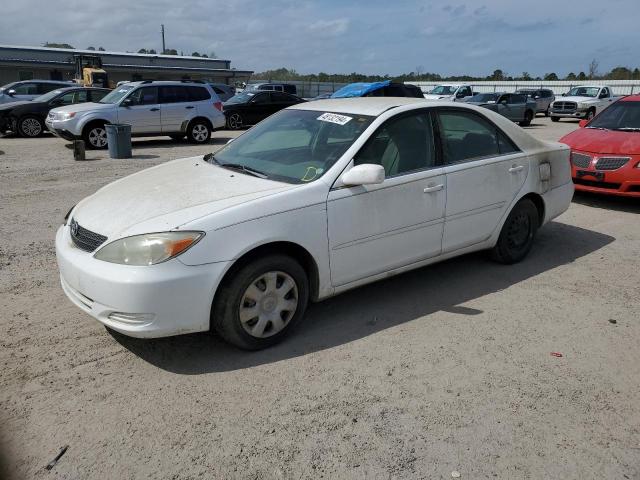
[593,69]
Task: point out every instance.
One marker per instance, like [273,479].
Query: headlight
[148,249]
[67,115]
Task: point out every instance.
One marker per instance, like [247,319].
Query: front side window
[144,96]
[401,145]
[26,89]
[467,136]
[294,146]
[518,99]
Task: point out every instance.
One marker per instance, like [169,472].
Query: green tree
[582,76]
[195,54]
[59,45]
[551,76]
[170,51]
[100,49]
[91,48]
[636,74]
[525,76]
[571,76]
[620,73]
[497,75]
[143,50]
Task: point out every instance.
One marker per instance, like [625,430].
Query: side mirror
[127,102]
[365,174]
[460,95]
[11,92]
[583,123]
[535,97]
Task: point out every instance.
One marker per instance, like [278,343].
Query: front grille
[591,183]
[580,160]
[565,106]
[611,163]
[85,239]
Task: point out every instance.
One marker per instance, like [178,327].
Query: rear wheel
[555,119]
[95,136]
[234,121]
[199,131]
[261,303]
[30,127]
[516,237]
[528,116]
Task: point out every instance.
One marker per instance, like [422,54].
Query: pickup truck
[450,92]
[585,101]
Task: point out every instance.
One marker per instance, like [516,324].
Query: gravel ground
[447,368]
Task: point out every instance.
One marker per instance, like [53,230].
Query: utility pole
[164,49]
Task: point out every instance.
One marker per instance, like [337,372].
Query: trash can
[119,140]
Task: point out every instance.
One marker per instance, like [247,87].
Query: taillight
[218,105]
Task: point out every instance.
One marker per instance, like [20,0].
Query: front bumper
[622,182]
[572,114]
[161,300]
[59,130]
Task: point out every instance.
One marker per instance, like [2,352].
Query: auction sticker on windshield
[334,118]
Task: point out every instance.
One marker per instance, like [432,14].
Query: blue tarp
[359,89]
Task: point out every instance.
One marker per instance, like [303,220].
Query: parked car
[152,108]
[318,199]
[27,118]
[249,108]
[516,107]
[582,102]
[480,99]
[543,97]
[272,87]
[450,92]
[605,151]
[224,91]
[29,89]
[378,89]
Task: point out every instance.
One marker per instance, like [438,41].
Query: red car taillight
[218,105]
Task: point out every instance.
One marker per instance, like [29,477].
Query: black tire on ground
[199,131]
[30,126]
[528,116]
[95,136]
[235,121]
[546,112]
[555,119]
[232,298]
[590,114]
[517,234]
[177,138]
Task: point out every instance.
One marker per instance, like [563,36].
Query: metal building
[42,63]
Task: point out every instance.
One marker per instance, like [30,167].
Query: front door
[484,171]
[143,113]
[259,108]
[377,228]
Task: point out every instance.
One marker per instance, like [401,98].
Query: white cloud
[331,28]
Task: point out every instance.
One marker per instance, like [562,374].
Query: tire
[528,116]
[199,131]
[546,112]
[235,121]
[517,234]
[176,138]
[30,126]
[95,136]
[249,302]
[555,119]
[590,114]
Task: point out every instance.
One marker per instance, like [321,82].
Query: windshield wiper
[210,157]
[629,129]
[598,128]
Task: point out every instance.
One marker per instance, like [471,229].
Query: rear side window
[467,136]
[97,95]
[198,94]
[173,94]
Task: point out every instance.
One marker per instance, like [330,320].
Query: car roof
[166,82]
[373,106]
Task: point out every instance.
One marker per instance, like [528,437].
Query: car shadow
[370,309]
[170,143]
[608,202]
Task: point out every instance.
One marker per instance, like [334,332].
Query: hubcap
[98,137]
[199,133]
[589,115]
[268,304]
[235,121]
[519,231]
[31,127]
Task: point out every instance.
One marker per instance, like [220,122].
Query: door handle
[154,109]
[189,107]
[433,188]
[516,168]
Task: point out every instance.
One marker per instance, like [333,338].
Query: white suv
[176,109]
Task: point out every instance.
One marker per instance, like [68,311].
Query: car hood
[12,105]
[167,196]
[575,99]
[430,96]
[603,141]
[84,107]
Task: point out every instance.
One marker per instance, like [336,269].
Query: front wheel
[528,116]
[546,112]
[516,237]
[95,136]
[590,114]
[199,131]
[30,127]
[261,303]
[234,121]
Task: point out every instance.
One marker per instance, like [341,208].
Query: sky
[340,36]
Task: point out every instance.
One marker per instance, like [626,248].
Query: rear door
[176,107]
[484,171]
[144,112]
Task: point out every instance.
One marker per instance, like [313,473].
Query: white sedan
[315,200]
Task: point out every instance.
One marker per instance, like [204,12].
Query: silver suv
[176,109]
[543,97]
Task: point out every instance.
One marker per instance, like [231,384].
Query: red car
[605,151]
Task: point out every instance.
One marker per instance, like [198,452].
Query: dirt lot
[447,368]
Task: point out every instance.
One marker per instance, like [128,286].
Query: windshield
[583,92]
[444,90]
[118,94]
[294,146]
[48,96]
[619,116]
[241,97]
[484,97]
